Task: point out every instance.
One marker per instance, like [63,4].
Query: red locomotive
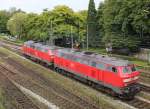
[38,51]
[119,76]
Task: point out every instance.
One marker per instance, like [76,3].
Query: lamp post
[87,38]
[71,38]
[51,35]
[149,57]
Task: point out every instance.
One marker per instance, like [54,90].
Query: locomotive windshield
[129,69]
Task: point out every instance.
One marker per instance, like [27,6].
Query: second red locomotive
[120,76]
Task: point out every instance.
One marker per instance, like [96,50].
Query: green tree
[127,19]
[15,24]
[4,17]
[82,27]
[35,27]
[100,23]
[91,24]
[55,23]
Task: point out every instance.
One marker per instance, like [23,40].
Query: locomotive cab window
[126,70]
[129,69]
[112,69]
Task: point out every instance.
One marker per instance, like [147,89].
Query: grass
[72,86]
[2,99]
[144,95]
[6,101]
[100,51]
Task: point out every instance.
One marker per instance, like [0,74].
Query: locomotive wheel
[125,97]
[90,83]
[59,70]
[56,69]
[113,93]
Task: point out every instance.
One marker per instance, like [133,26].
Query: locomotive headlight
[127,80]
[130,79]
[136,77]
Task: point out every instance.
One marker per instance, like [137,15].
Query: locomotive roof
[29,42]
[85,54]
[36,44]
[97,57]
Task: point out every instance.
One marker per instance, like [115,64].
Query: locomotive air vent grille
[113,59]
[88,53]
[95,54]
[103,56]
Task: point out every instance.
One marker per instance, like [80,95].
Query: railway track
[23,102]
[145,88]
[137,103]
[145,73]
[60,95]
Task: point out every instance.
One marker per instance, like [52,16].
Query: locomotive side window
[58,54]
[42,49]
[70,57]
[62,54]
[74,58]
[66,56]
[37,47]
[93,64]
[46,50]
[32,46]
[109,68]
[84,61]
[78,59]
[100,66]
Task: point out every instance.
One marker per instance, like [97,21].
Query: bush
[119,42]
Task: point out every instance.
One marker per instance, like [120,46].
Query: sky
[37,6]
